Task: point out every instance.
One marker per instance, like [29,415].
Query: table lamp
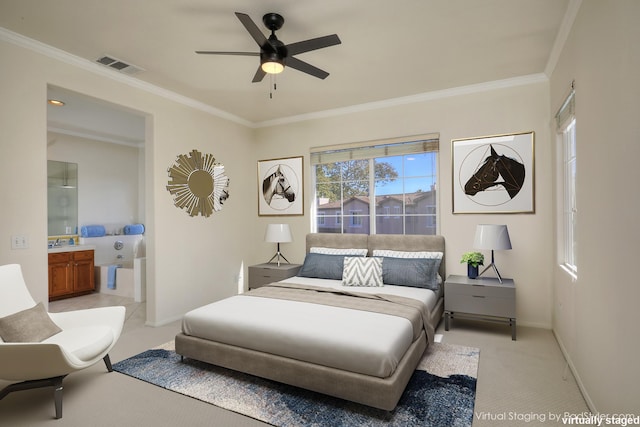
[278,233]
[494,237]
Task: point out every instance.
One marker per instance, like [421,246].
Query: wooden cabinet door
[60,275]
[83,271]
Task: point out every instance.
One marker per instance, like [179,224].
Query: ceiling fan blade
[259,75]
[306,67]
[313,44]
[253,29]
[209,52]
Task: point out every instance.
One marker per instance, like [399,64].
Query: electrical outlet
[19,242]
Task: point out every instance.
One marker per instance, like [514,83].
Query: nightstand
[483,298]
[263,274]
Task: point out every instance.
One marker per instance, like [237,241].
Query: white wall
[596,317]
[191,261]
[512,109]
[107,179]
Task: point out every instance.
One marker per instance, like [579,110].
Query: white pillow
[336,251]
[404,254]
[362,271]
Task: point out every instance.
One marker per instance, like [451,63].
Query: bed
[359,343]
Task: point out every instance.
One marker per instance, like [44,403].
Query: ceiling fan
[275,55]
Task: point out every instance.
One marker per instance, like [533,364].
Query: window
[356,218]
[568,218]
[382,187]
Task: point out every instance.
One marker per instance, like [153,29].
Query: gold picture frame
[494,174]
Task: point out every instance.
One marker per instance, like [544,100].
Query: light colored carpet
[520,377]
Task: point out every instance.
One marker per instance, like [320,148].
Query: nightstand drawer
[481,290]
[477,303]
[263,274]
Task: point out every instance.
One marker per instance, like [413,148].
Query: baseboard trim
[574,371]
[163,322]
[534,324]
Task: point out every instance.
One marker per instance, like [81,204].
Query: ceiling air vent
[118,65]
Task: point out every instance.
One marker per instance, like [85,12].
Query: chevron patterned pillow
[361,271]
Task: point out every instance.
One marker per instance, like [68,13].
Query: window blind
[373,149]
[567,111]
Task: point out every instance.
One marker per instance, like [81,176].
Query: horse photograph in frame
[493,174]
[281,187]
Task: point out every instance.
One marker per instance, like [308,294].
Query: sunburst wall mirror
[198,184]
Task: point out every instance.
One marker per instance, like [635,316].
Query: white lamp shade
[492,236]
[278,233]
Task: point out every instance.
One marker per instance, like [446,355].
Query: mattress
[359,341]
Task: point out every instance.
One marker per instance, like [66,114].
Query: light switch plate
[19,242]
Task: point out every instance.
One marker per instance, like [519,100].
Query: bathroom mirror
[62,197]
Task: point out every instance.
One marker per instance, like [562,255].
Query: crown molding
[563,35]
[412,99]
[60,55]
[65,129]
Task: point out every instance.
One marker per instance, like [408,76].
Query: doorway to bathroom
[106,143]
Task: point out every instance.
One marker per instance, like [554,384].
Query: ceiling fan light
[272,67]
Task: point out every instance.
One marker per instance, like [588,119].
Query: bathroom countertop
[71,248]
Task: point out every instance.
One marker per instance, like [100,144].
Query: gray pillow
[30,325]
[413,272]
[322,266]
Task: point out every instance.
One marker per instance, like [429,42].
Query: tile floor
[135,316]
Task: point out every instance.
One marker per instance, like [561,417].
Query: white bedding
[352,340]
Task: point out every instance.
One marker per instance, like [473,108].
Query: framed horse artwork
[493,174]
[281,187]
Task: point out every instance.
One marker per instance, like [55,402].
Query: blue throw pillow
[413,272]
[322,266]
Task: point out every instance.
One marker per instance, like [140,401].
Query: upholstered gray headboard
[397,242]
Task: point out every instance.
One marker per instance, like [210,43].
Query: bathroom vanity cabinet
[71,274]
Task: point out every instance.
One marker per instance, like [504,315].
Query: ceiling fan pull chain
[272,78]
[270,82]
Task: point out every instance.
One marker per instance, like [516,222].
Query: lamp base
[493,264]
[494,269]
[277,257]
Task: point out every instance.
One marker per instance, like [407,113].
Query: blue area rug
[440,393]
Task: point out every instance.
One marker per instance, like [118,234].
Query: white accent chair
[87,336]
